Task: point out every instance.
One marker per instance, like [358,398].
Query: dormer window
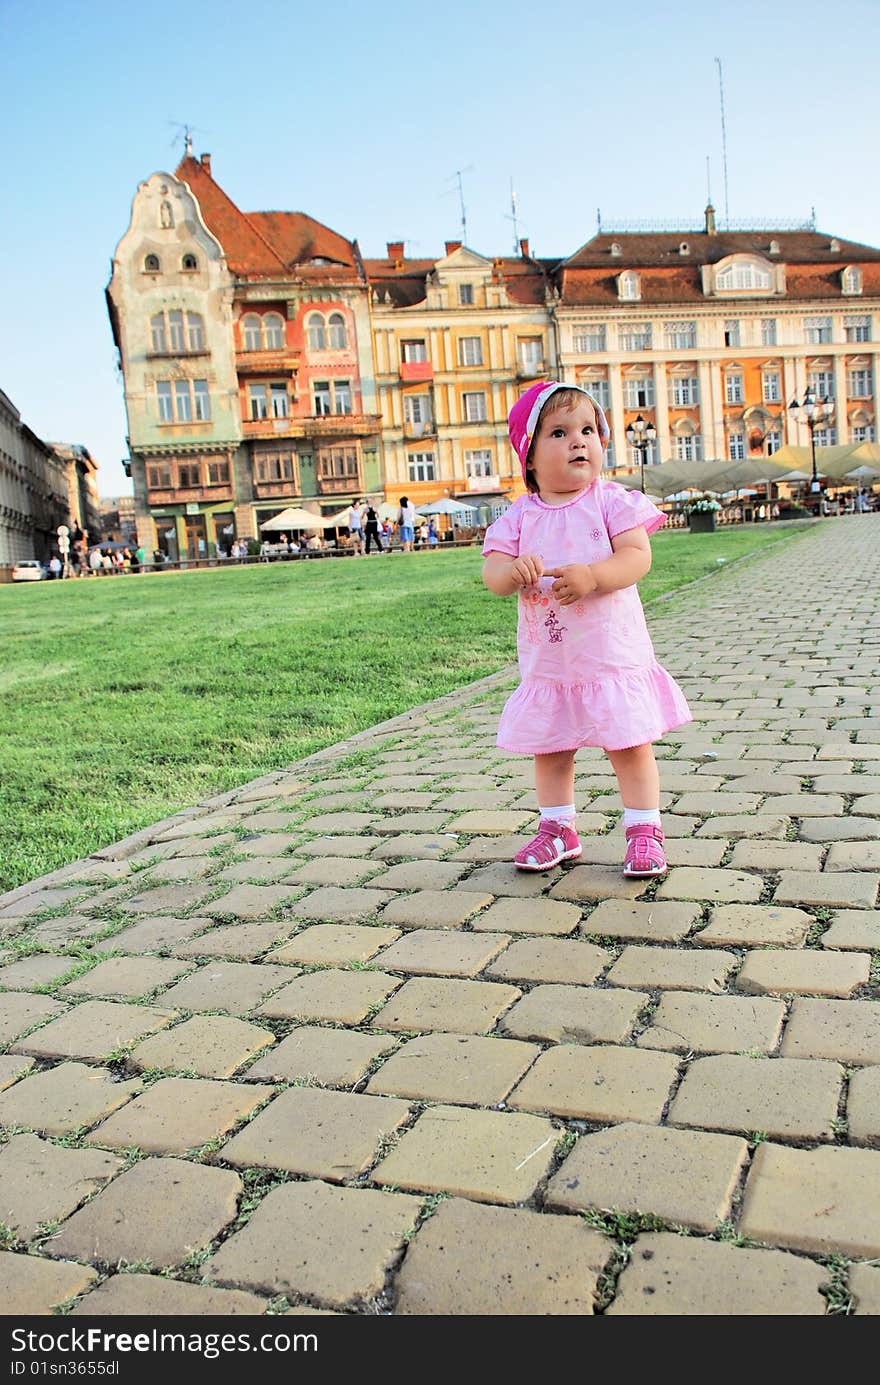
[190,262]
[615,248]
[851,280]
[151,264]
[740,276]
[684,248]
[834,247]
[629,287]
[774,247]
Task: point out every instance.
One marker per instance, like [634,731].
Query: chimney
[205,160]
[452,246]
[710,220]
[395,249]
[524,248]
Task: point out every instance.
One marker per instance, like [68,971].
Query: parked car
[29,570]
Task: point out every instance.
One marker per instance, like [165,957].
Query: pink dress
[589,672]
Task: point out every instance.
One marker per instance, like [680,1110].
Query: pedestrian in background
[372,529]
[406,519]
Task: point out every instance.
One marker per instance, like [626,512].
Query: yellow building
[455,341]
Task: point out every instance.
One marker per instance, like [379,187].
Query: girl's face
[567,453]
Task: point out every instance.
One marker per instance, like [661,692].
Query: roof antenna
[186,131]
[723,144]
[708,181]
[512,217]
[457,174]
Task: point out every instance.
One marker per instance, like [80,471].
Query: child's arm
[631,562]
[504,575]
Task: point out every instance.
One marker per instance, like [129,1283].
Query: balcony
[190,354]
[427,429]
[341,485]
[335,426]
[530,370]
[268,427]
[271,490]
[275,363]
[411,371]
[180,495]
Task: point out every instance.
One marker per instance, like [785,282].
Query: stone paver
[446,952]
[453,1006]
[20,1012]
[719,886]
[434,908]
[668,922]
[179,1113]
[824,1201]
[329,944]
[163,933]
[863,1108]
[12,1068]
[569,962]
[206,1045]
[333,904]
[671,968]
[236,941]
[236,987]
[689,1022]
[362,1233]
[30,1286]
[420,875]
[333,995]
[671,1275]
[588,884]
[837,1029]
[786,1098]
[326,1057]
[864,1284]
[64,1098]
[460,1069]
[126,978]
[574,1014]
[750,925]
[149,1295]
[159,1210]
[42,969]
[95,1030]
[853,930]
[539,916]
[849,890]
[491,1156]
[686,1177]
[479,1261]
[41,1182]
[809,972]
[319,1134]
[602,1084]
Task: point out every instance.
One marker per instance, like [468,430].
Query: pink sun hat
[523,418]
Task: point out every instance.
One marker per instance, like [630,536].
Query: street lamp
[815,413]
[641,435]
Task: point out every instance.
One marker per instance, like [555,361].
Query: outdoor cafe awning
[294,518]
[717,477]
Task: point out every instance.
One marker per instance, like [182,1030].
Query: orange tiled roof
[662,249]
[524,279]
[246,249]
[297,239]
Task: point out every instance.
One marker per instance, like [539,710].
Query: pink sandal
[555,842]
[644,851]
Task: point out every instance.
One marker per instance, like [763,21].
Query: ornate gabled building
[709,334]
[456,340]
[244,341]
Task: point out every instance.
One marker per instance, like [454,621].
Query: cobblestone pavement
[315,1046]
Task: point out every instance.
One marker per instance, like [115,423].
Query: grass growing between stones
[127,700]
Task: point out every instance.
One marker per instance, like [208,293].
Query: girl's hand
[527,570]
[572,582]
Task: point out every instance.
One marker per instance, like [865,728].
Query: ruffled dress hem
[625,709]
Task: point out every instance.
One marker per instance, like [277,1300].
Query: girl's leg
[639,782]
[554,782]
[554,779]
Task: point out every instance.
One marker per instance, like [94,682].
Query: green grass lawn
[127,698]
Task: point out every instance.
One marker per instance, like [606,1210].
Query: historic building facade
[456,340]
[709,335]
[244,340]
[34,492]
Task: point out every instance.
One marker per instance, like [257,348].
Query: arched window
[317,333]
[273,331]
[743,275]
[628,285]
[190,262]
[157,332]
[176,336]
[338,335]
[615,248]
[253,338]
[195,332]
[851,280]
[151,264]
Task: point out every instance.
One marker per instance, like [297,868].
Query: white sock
[563,812]
[634,817]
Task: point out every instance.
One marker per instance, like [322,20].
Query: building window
[274,466]
[478,462]
[743,276]
[733,389]
[628,286]
[651,457]
[772,387]
[316,332]
[421,466]
[163,394]
[273,332]
[768,331]
[680,336]
[258,401]
[590,338]
[474,407]
[159,476]
[772,441]
[182,401]
[151,264]
[862,432]
[684,391]
[195,332]
[335,463]
[736,447]
[253,336]
[176,339]
[598,390]
[822,383]
[860,384]
[201,401]
[413,351]
[731,332]
[157,333]
[322,397]
[337,333]
[218,473]
[188,475]
[417,408]
[342,396]
[190,262]
[688,447]
[638,392]
[470,351]
[465,294]
[636,337]
[851,280]
[817,329]
[826,437]
[857,328]
[278,400]
[531,352]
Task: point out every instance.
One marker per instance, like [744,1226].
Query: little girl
[574,549]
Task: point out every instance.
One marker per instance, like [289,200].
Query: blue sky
[360,116]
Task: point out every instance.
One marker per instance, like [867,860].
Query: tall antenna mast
[457,174]
[513,218]
[708,181]
[723,141]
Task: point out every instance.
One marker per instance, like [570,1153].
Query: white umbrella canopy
[294,518]
[443,507]
[390,512]
[863,473]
